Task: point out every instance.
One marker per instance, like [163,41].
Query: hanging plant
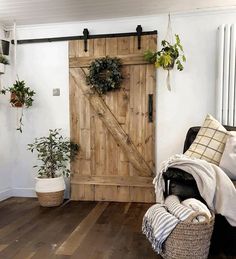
[3,61]
[21,97]
[105,74]
[169,56]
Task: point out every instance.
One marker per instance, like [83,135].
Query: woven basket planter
[50,191]
[189,240]
[50,199]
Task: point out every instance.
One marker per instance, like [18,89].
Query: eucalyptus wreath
[105,74]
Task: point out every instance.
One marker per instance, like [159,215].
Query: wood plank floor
[77,230]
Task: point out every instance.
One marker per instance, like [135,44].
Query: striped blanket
[161,219]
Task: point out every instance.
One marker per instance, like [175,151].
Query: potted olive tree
[54,151]
[21,97]
[3,61]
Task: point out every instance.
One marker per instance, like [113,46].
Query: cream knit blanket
[213,184]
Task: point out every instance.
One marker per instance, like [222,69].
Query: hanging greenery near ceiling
[170,55]
[105,74]
[4,60]
[21,97]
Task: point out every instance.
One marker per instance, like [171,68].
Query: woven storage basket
[189,240]
[50,199]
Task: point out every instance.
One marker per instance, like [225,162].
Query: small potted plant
[169,56]
[54,151]
[21,96]
[3,61]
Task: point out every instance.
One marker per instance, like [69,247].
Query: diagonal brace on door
[110,121]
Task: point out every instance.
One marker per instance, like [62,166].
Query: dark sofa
[182,184]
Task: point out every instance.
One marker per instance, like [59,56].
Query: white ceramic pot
[50,191]
[2,68]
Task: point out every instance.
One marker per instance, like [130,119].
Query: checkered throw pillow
[210,141]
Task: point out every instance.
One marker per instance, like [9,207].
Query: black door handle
[150,108]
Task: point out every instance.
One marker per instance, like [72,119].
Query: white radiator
[226,81]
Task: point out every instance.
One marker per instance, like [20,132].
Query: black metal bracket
[86,35]
[139,31]
[150,108]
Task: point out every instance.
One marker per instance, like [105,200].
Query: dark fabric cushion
[184,189]
[177,174]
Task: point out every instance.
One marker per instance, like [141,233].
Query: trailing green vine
[21,97]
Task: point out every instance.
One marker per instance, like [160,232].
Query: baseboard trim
[5,194]
[23,192]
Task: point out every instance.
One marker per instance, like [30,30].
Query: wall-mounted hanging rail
[87,36]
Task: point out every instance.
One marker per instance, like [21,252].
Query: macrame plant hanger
[19,116]
[169,38]
[1,51]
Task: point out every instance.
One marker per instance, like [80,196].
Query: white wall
[7,153]
[45,66]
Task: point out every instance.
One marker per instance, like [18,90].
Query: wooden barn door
[115,131]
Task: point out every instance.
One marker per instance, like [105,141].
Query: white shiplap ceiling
[55,11]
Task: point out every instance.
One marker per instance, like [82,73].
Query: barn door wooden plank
[104,171]
[128,59]
[112,124]
[111,100]
[115,180]
[100,129]
[80,126]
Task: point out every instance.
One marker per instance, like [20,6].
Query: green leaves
[54,152]
[150,56]
[178,42]
[22,94]
[164,61]
[4,60]
[105,74]
[179,65]
[168,56]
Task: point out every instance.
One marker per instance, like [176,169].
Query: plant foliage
[105,74]
[54,152]
[168,56]
[4,60]
[22,94]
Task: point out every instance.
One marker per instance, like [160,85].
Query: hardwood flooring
[77,230]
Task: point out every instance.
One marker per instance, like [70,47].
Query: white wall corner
[5,194]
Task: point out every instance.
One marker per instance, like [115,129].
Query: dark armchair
[182,184]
